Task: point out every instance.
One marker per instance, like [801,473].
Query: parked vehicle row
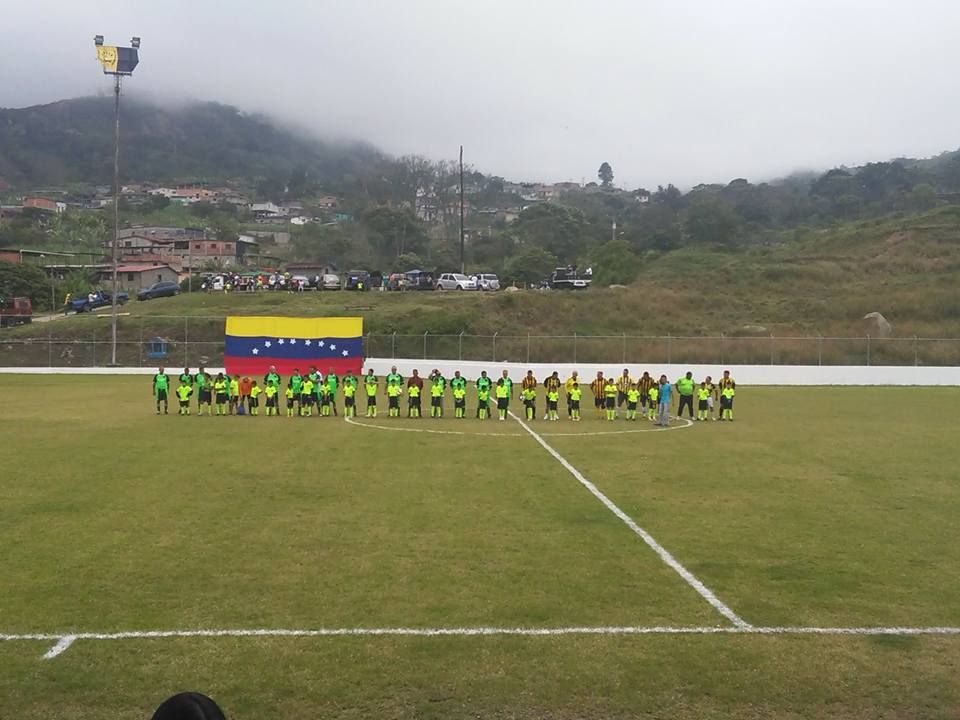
[91,301]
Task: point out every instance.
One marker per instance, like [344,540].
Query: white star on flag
[320,343]
[307,343]
[256,350]
[280,341]
[293,341]
[344,353]
[267,343]
[333,347]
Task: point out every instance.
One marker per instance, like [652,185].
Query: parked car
[568,279]
[487,281]
[303,281]
[357,280]
[456,281]
[418,280]
[160,289]
[329,281]
[97,299]
[15,311]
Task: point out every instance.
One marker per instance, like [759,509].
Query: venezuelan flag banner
[253,344]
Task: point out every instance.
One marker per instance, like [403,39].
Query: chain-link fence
[85,341]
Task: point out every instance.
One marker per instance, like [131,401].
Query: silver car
[456,281]
[487,281]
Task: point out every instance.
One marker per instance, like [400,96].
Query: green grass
[817,507]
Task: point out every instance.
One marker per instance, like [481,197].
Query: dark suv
[160,289]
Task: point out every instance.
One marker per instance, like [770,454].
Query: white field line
[65,640]
[359,423]
[689,577]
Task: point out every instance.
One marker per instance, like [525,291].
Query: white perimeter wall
[744,374]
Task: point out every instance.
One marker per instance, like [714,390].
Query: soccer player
[325,397]
[573,401]
[159,388]
[221,391]
[568,386]
[295,383]
[483,383]
[727,382]
[633,396]
[458,382]
[413,399]
[459,398]
[306,397]
[529,395]
[503,398]
[436,395]
[553,399]
[331,381]
[291,398]
[508,383]
[483,400]
[596,387]
[551,383]
[186,377]
[663,402]
[270,393]
[394,376]
[234,389]
[643,385]
[370,385]
[623,387]
[610,398]
[393,397]
[184,391]
[726,403]
[201,385]
[703,401]
[685,389]
[713,395]
[653,399]
[349,396]
[253,402]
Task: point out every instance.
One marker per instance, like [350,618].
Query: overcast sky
[680,91]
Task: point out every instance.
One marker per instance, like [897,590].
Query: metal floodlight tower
[116,61]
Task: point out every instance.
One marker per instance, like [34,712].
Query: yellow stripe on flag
[287,327]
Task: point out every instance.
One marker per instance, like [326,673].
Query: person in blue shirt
[663,408]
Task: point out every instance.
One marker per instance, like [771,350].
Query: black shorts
[371,400]
[598,401]
[184,403]
[436,402]
[643,401]
[532,404]
[221,398]
[272,401]
[631,405]
[348,401]
[726,403]
[254,401]
[551,404]
[503,403]
[703,405]
[574,404]
[204,396]
[461,403]
[611,403]
[393,402]
[415,401]
[621,397]
[161,395]
[306,400]
[482,405]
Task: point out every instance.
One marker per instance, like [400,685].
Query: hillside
[72,140]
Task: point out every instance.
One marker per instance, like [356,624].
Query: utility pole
[462,264]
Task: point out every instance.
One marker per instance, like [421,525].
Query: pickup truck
[98,299]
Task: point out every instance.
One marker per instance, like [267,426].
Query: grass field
[817,508]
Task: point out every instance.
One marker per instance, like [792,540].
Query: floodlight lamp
[98,40]
[135,42]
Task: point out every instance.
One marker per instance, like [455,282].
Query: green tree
[922,197]
[710,220]
[407,261]
[605,174]
[394,231]
[615,263]
[24,280]
[530,265]
[561,231]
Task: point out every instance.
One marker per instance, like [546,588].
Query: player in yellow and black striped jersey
[643,385]
[624,382]
[726,382]
[596,387]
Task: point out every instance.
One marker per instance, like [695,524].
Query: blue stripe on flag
[294,348]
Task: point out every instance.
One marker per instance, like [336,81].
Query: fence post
[819,349]
[721,349]
[669,349]
[916,352]
[186,341]
[624,348]
[574,348]
[771,348]
[868,349]
[528,348]
[460,347]
[49,343]
[141,341]
[94,345]
[425,333]
[393,345]
[495,345]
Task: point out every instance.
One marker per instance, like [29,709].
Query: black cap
[189,706]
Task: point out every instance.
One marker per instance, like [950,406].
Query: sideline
[357,421]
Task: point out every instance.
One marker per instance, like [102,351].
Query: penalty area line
[704,592]
[66,640]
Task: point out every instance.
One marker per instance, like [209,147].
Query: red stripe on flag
[259,366]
